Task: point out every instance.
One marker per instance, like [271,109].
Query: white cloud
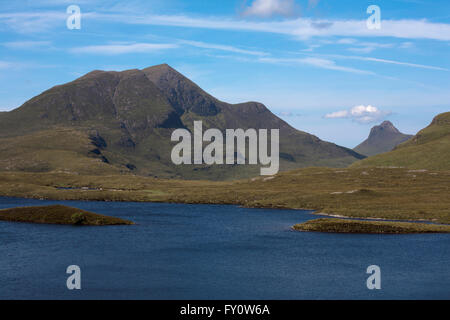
[360,114]
[337,114]
[113,49]
[268,8]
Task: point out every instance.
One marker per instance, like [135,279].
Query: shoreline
[338,216]
[356,226]
[313,211]
[382,195]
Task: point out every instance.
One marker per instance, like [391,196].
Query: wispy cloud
[288,114]
[124,48]
[268,8]
[32,22]
[221,47]
[24,65]
[387,61]
[316,62]
[368,47]
[346,41]
[26,44]
[301,28]
[414,65]
[114,49]
[360,114]
[406,45]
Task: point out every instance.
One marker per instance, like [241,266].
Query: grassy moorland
[390,193]
[58,214]
[358,226]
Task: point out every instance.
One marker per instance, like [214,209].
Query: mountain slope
[428,149]
[123,122]
[382,138]
[297,148]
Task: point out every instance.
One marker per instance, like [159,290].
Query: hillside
[428,149]
[120,123]
[382,138]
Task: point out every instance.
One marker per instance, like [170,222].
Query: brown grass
[58,214]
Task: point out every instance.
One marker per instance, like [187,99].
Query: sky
[321,65]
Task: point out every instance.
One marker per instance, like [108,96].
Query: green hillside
[428,149]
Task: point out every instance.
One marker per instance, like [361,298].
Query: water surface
[179,251]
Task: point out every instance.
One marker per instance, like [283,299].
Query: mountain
[428,149]
[382,138]
[110,122]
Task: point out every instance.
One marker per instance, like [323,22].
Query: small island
[361,226]
[59,214]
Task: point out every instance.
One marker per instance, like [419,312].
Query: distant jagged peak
[385,126]
[382,138]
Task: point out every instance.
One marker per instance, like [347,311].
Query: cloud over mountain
[360,114]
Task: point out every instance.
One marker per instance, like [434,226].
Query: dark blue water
[213,252]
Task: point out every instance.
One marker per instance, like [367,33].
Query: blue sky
[313,63]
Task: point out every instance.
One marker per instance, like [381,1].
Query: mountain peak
[385,127]
[123,122]
[163,68]
[182,93]
[386,123]
[382,138]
